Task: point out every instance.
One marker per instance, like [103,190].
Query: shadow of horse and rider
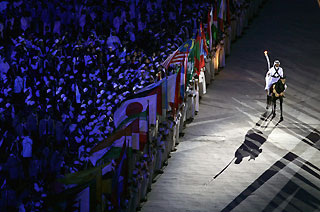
[258,135]
[255,138]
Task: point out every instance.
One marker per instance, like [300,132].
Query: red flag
[220,16]
[215,23]
[228,13]
[197,54]
[158,90]
[154,88]
[177,92]
[203,38]
[141,134]
[178,56]
[203,47]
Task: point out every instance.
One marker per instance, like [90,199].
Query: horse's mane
[279,81]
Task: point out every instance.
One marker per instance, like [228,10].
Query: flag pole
[217,175]
[148,134]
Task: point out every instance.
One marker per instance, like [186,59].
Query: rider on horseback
[272,76]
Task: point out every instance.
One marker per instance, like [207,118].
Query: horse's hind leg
[268,101]
[281,101]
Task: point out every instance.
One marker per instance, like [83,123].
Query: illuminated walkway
[284,171]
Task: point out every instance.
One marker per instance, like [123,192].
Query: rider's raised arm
[267,58]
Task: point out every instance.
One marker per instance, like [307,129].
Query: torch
[267,57]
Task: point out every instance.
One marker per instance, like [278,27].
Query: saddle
[279,87]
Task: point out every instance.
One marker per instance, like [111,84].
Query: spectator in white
[82,20]
[93,15]
[113,41]
[66,16]
[129,26]
[116,23]
[57,24]
[1,30]
[43,131]
[123,17]
[24,23]
[159,3]
[3,6]
[31,123]
[78,95]
[10,19]
[26,147]
[59,132]
[18,85]
[172,16]
[149,7]
[26,153]
[132,10]
[141,24]
[45,18]
[4,66]
[180,7]
[50,125]
[14,167]
[132,36]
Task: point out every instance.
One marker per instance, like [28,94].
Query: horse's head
[283,79]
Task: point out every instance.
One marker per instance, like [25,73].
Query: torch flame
[265,52]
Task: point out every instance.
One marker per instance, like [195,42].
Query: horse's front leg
[274,100]
[281,101]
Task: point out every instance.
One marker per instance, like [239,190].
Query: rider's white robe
[272,77]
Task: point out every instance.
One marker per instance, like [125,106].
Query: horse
[278,89]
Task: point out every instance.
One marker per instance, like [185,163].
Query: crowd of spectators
[65,67]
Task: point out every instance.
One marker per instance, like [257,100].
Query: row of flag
[86,188]
[109,172]
[196,48]
[132,120]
